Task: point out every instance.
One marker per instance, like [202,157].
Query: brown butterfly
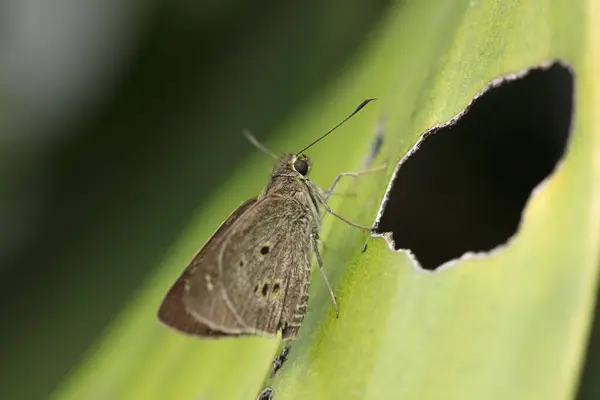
[253,275]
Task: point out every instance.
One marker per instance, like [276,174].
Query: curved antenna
[258,144]
[360,107]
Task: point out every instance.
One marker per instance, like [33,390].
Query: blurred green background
[120,152]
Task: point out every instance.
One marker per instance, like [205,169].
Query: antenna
[360,107]
[258,144]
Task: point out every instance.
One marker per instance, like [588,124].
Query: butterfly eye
[301,166]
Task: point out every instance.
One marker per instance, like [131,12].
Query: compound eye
[301,166]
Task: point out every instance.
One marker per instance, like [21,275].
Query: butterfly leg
[321,243]
[322,197]
[315,247]
[266,394]
[347,195]
[330,211]
[280,359]
[337,179]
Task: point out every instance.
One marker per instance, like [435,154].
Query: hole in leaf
[465,187]
[276,288]
[264,250]
[265,289]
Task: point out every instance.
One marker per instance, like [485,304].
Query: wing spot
[264,250]
[265,289]
[209,283]
[276,287]
[256,289]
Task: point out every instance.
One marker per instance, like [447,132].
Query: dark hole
[265,289]
[241,263]
[276,288]
[264,250]
[464,189]
[256,289]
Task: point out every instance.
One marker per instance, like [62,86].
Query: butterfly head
[292,165]
[301,164]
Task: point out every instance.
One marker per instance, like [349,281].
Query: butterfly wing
[172,311]
[263,271]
